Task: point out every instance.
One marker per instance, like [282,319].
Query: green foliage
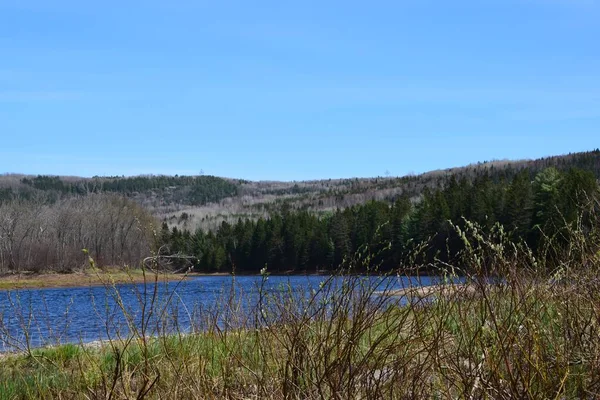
[518,208]
[546,188]
[300,241]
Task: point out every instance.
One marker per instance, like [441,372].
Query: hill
[192,202]
[228,224]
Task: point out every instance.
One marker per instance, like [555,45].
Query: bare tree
[35,236]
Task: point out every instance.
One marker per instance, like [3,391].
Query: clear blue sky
[270,90]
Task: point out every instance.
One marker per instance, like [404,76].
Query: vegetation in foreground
[523,330]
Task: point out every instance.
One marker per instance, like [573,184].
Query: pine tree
[546,199]
[518,207]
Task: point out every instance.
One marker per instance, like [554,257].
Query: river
[40,317]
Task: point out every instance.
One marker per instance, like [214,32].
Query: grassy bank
[519,340]
[532,334]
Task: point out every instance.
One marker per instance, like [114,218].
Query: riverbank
[510,341]
[91,277]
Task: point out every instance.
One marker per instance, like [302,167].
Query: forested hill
[262,199]
[191,202]
[230,225]
[541,208]
[148,190]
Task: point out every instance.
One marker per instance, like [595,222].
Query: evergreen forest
[529,206]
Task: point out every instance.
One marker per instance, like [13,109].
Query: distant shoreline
[117,276]
[110,276]
[113,276]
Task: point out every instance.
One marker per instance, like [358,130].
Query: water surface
[73,315]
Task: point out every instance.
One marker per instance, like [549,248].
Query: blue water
[38,317]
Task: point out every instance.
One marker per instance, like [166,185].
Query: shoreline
[107,276]
[118,276]
[110,276]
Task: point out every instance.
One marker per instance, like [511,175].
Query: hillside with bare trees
[260,199]
[46,221]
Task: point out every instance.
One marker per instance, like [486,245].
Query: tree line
[35,236]
[192,190]
[531,205]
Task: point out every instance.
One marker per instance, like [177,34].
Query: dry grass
[523,327]
[92,277]
[517,340]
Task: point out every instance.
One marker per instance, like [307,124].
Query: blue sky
[294,90]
